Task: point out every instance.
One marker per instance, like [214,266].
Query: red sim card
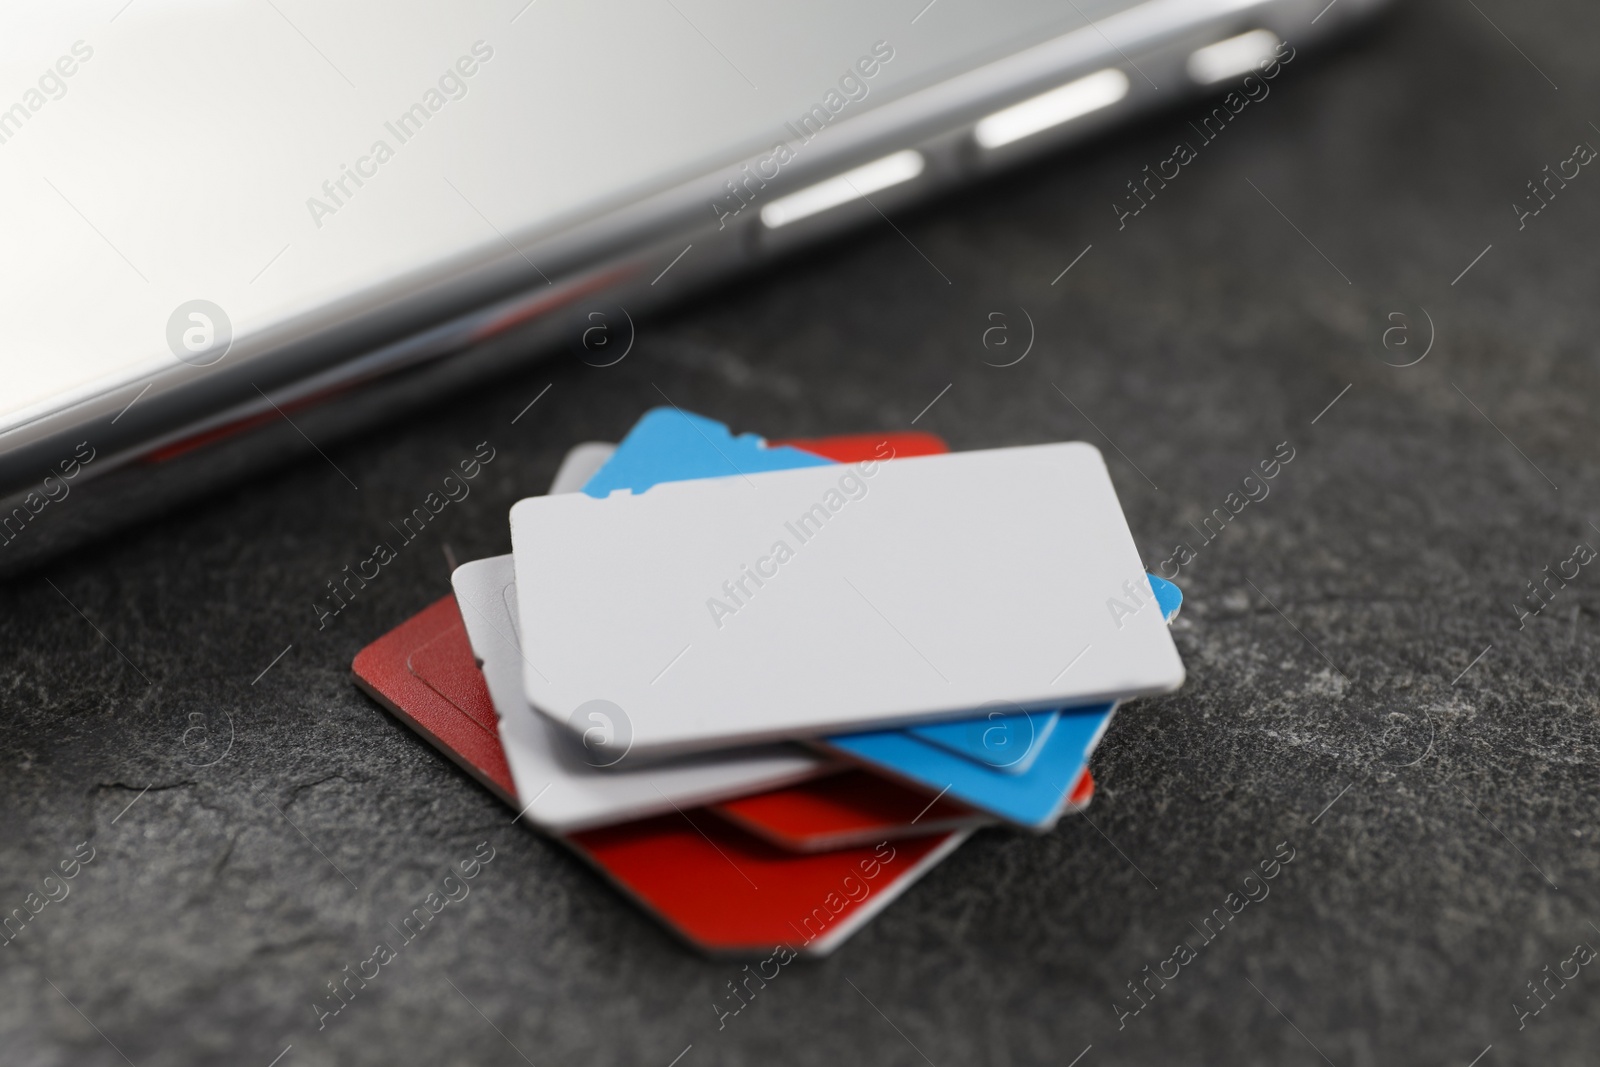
[859,447]
[730,893]
[1082,792]
[854,808]
[696,871]
[844,810]
[423,671]
[685,868]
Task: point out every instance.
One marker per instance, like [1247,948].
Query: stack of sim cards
[762,688]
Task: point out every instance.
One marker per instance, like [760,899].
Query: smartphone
[232,229]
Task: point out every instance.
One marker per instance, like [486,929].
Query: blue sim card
[1034,799]
[1019,766]
[669,445]
[1006,739]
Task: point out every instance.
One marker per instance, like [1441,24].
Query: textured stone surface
[1326,632]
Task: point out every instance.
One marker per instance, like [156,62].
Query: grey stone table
[1363,693]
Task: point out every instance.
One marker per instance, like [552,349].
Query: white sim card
[580,464]
[794,603]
